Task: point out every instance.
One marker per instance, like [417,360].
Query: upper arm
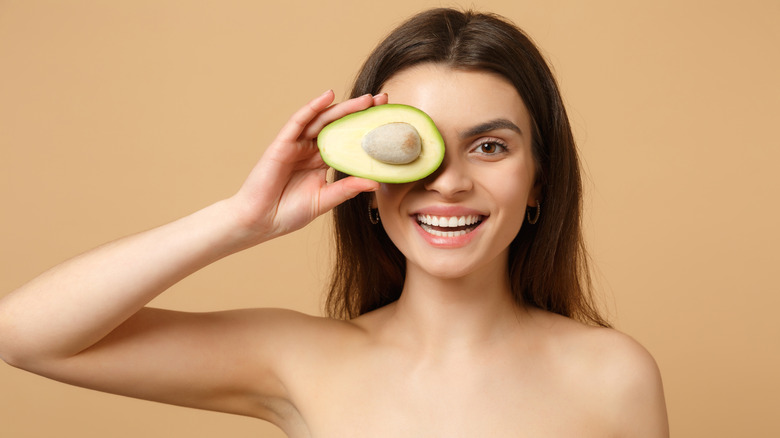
[222,361]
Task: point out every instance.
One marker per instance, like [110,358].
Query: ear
[372,200]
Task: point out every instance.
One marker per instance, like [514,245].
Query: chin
[448,270]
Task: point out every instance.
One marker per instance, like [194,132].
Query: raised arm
[84,321]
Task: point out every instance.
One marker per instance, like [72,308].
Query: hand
[287,189]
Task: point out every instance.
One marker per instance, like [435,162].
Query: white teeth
[448,222]
[438,233]
[428,222]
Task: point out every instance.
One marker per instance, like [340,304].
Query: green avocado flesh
[342,144]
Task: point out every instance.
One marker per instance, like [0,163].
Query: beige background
[118,116]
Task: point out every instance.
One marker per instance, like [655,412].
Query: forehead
[457,99]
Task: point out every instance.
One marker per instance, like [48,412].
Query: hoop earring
[373,215]
[536,217]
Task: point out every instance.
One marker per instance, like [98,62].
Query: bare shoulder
[615,367]
[297,336]
[294,330]
[632,381]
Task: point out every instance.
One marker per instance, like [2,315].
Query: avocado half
[342,143]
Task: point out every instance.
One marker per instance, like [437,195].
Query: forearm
[72,306]
[76,304]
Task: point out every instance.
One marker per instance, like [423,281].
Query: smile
[448,226]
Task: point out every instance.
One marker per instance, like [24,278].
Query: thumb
[344,189]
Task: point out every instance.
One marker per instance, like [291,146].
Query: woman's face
[462,218]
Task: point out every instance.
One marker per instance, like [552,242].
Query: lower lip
[446,241]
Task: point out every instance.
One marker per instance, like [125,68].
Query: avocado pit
[393,143]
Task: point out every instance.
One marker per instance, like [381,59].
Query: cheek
[390,195]
[514,205]
[511,195]
[389,199]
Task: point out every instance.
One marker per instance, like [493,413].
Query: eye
[490,147]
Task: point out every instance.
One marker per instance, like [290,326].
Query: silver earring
[373,215]
[536,217]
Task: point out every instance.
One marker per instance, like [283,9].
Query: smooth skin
[454,356]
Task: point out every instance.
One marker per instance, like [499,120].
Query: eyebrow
[491,125]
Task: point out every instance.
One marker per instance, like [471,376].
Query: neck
[439,313]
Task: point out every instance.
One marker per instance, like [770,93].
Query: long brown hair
[548,264]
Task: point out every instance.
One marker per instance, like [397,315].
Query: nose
[451,178]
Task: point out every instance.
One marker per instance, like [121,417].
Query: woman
[459,327]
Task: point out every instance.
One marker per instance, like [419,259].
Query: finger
[358,105]
[298,122]
[347,188]
[336,112]
[380,99]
